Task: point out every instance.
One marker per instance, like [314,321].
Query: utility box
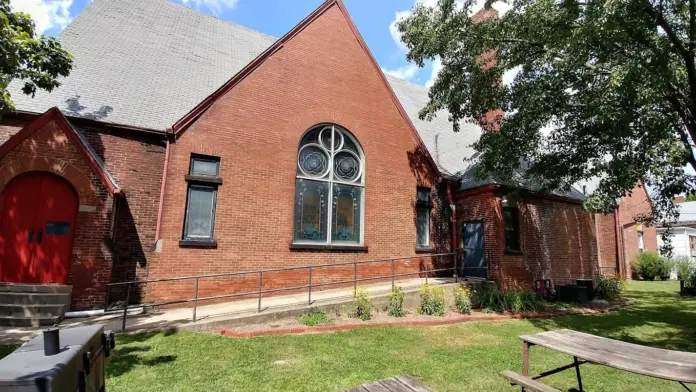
[73,359]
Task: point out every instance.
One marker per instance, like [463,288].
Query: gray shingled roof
[449,149]
[145,63]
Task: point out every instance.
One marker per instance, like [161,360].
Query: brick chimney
[489,122]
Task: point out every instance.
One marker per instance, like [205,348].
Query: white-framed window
[329,188]
[201,198]
[641,243]
[423,208]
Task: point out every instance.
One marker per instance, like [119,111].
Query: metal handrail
[259,292]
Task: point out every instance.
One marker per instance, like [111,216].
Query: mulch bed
[381,319]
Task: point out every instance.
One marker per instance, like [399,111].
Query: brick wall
[136,162]
[557,239]
[631,207]
[322,75]
[607,243]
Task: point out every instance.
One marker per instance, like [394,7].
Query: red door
[37,222]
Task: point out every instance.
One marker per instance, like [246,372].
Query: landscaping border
[413,323]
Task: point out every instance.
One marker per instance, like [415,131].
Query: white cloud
[407,72]
[510,74]
[215,6]
[437,67]
[394,31]
[47,14]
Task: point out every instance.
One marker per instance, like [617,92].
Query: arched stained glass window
[329,188]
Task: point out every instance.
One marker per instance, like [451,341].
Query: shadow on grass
[658,319]
[127,357]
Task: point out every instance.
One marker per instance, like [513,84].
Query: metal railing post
[456,272]
[426,272]
[393,261]
[355,278]
[125,308]
[195,301]
[260,286]
[310,286]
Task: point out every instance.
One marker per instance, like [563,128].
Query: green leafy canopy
[36,61]
[605,89]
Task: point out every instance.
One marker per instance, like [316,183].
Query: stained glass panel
[326,212]
[311,203]
[347,204]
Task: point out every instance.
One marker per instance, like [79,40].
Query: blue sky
[374,18]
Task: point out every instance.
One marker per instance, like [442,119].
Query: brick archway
[80,180]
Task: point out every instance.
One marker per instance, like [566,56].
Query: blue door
[474,251]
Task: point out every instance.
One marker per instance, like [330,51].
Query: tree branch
[692,27]
[683,130]
[678,44]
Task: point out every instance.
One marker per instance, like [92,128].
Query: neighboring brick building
[203,147]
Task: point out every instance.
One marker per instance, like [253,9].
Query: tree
[36,61]
[605,89]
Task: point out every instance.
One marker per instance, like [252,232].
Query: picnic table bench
[669,365]
[394,384]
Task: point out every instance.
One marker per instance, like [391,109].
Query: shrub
[648,265]
[610,288]
[683,267]
[462,299]
[666,268]
[432,300]
[514,301]
[396,302]
[363,304]
[314,317]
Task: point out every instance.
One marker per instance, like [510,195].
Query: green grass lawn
[463,357]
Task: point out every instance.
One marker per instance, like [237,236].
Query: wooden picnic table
[585,348]
[394,384]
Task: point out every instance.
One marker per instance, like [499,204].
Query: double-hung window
[329,188]
[203,181]
[423,208]
[511,223]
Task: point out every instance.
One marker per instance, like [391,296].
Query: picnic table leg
[525,359]
[577,372]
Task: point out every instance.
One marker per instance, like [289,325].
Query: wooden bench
[394,384]
[527,383]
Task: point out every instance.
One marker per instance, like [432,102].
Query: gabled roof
[253,65]
[76,138]
[156,65]
[144,63]
[451,150]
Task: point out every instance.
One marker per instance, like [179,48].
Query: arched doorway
[37,225]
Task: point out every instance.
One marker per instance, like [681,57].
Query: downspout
[619,242]
[453,220]
[164,184]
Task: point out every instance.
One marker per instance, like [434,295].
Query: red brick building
[203,147]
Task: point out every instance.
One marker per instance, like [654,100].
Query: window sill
[340,248]
[513,252]
[202,244]
[425,250]
[203,179]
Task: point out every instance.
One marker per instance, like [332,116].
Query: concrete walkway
[208,317]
